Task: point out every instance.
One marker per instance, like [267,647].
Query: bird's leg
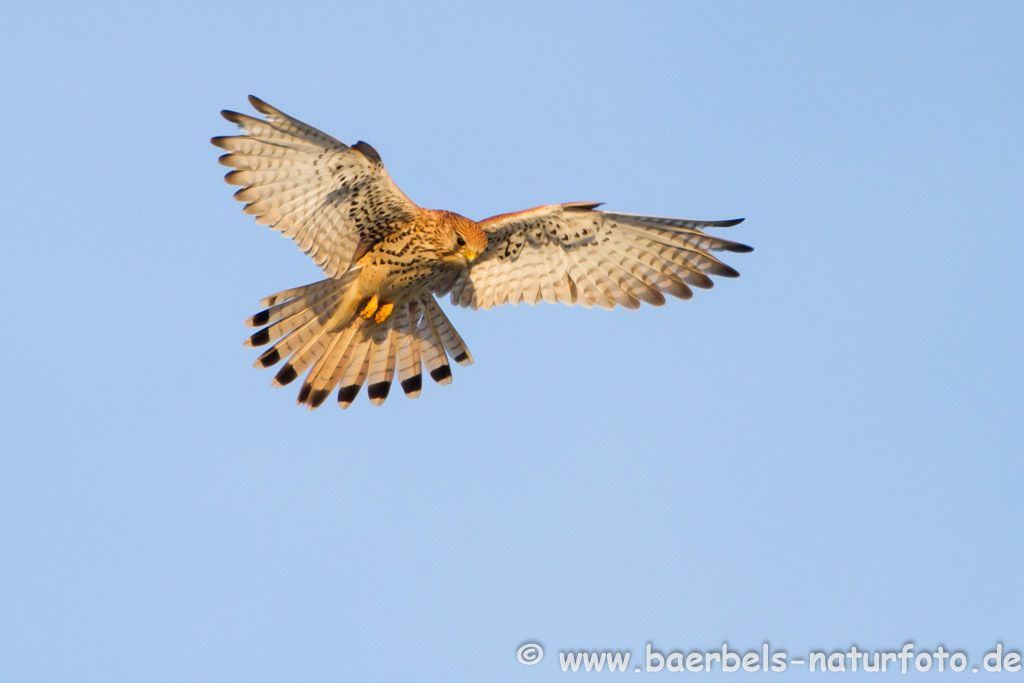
[370,308]
[383,312]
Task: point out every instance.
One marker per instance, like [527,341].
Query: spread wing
[570,253]
[334,200]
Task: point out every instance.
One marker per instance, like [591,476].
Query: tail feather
[382,362]
[320,310]
[434,357]
[287,346]
[450,339]
[409,358]
[292,311]
[317,341]
[356,362]
[291,344]
[325,373]
[285,306]
[295,292]
[304,323]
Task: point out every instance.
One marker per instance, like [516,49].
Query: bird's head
[464,241]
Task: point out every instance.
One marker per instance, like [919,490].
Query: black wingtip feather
[723,270]
[235,178]
[304,393]
[462,357]
[367,151]
[258,104]
[261,318]
[581,206]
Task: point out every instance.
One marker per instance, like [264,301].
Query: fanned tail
[304,326]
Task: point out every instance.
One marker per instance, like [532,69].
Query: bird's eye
[459,241]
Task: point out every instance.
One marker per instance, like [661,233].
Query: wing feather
[573,254]
[332,199]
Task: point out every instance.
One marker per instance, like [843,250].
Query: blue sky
[822,453]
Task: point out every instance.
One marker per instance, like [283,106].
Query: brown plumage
[375,315]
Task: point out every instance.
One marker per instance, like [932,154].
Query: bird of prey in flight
[385,259]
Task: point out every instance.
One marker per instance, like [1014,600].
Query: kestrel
[386,259]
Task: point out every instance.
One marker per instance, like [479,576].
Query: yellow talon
[383,312]
[370,308]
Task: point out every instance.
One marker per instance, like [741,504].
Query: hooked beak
[470,255]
